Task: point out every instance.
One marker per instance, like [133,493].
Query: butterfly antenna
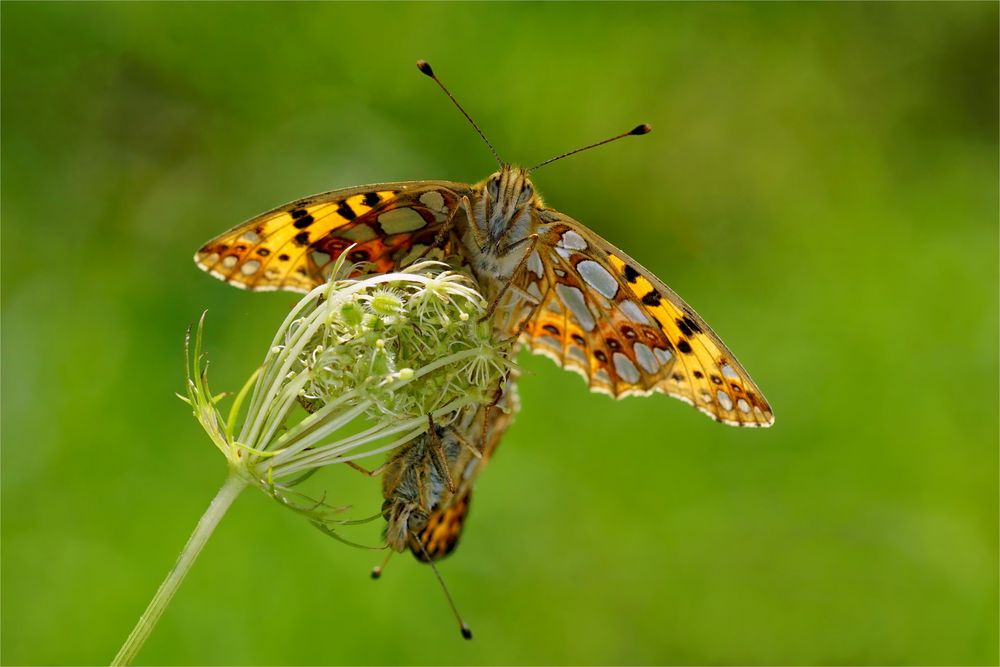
[377,570]
[425,67]
[466,632]
[645,128]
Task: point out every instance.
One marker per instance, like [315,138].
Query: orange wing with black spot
[596,311]
[294,246]
[444,528]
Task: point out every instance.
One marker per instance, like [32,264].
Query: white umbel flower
[388,349]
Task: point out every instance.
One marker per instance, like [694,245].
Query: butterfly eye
[526,194]
[493,188]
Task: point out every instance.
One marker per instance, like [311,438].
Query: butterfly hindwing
[444,528]
[293,246]
[606,317]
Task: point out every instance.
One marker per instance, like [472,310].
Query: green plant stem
[206,525]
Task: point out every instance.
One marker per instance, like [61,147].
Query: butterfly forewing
[293,246]
[604,316]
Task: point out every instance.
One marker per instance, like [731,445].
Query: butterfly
[564,291]
[427,483]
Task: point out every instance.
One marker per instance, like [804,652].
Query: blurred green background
[821,184]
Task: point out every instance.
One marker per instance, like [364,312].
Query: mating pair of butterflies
[558,287]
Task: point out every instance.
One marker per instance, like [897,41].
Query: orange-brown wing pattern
[601,314]
[444,528]
[294,246]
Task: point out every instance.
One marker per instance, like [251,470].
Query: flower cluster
[369,359]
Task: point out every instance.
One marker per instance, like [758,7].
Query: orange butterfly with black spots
[569,294]
[563,290]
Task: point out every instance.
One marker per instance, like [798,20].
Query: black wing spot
[613,344]
[297,213]
[630,273]
[683,326]
[698,374]
[263,252]
[716,379]
[372,199]
[652,298]
[345,211]
[677,377]
[691,324]
[629,333]
[551,329]
[304,221]
[684,346]
[302,238]
[578,339]
[738,389]
[360,256]
[601,357]
[283,257]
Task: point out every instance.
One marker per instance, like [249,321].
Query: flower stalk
[232,487]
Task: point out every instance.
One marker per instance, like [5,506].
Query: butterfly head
[508,195]
[402,517]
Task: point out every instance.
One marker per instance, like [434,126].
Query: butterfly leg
[364,471]
[440,458]
[477,452]
[532,241]
[441,237]
[443,233]
[535,305]
[487,411]
[476,232]
[485,431]
[449,224]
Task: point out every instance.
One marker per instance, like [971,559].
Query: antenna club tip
[466,632]
[645,128]
[425,67]
[376,572]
